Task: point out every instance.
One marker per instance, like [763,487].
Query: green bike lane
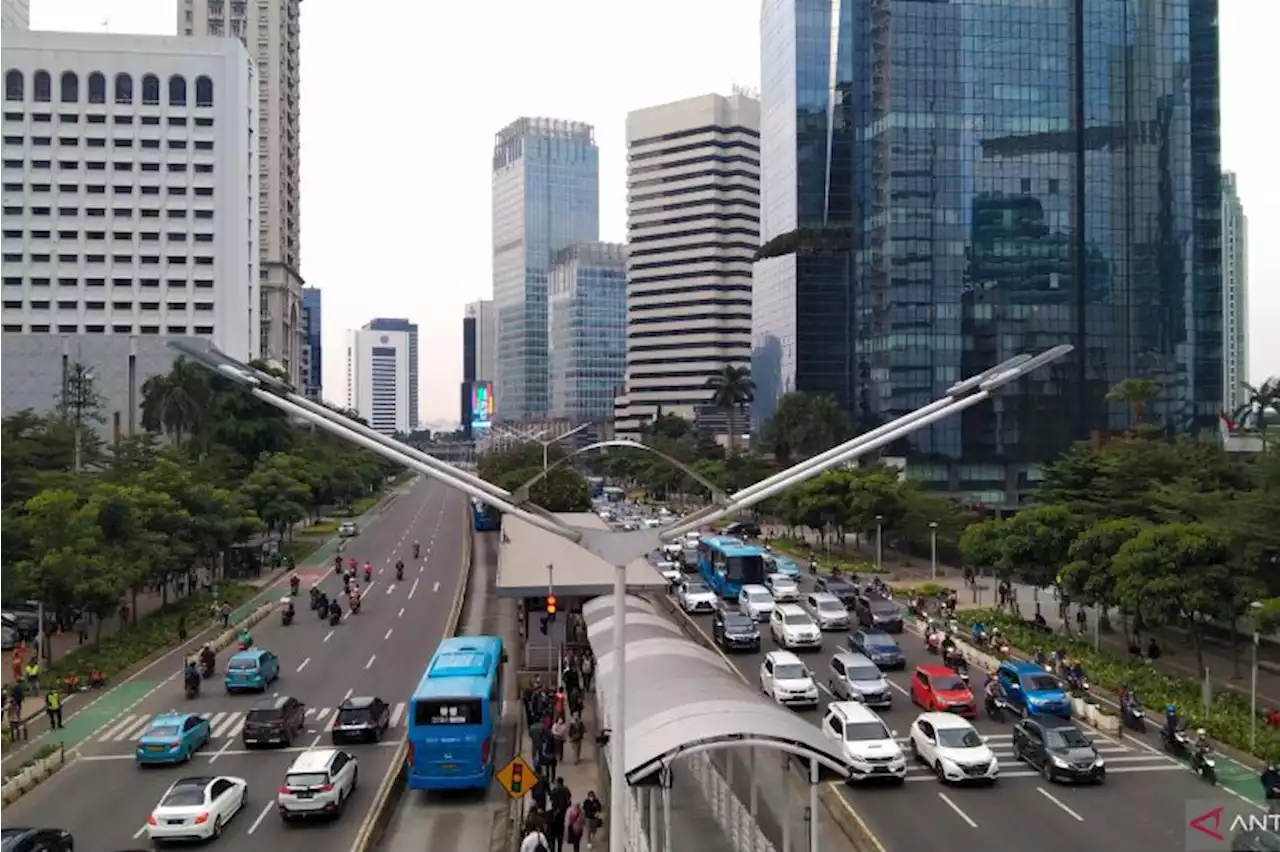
[82,720]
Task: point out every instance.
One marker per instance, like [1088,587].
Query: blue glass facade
[588,342]
[546,197]
[312,352]
[949,183]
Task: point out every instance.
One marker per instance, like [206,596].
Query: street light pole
[933,550]
[1253,695]
[879,543]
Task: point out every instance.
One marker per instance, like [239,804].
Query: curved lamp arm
[520,495]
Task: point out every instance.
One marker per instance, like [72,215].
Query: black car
[1059,749]
[1255,840]
[877,613]
[743,529]
[36,840]
[362,717]
[735,631]
[840,587]
[274,721]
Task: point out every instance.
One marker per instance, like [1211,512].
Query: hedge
[1227,719]
[154,632]
[826,561]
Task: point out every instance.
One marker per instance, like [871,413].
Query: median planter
[39,771]
[1105,722]
[1078,706]
[229,637]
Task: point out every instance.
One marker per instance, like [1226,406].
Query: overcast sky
[400,101]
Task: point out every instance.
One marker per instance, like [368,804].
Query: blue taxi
[251,669]
[172,738]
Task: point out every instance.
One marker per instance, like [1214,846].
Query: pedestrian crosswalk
[1118,756]
[223,725]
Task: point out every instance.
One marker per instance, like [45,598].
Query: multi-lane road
[104,798]
[1144,805]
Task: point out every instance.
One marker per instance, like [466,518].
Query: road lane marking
[900,689]
[119,729]
[137,730]
[391,588]
[1043,792]
[369,664]
[315,742]
[964,816]
[435,587]
[421,568]
[224,726]
[388,636]
[140,831]
[302,665]
[266,809]
[222,750]
[348,695]
[413,589]
[327,636]
[400,614]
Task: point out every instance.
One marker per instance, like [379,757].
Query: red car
[938,688]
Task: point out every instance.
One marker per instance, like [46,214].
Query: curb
[32,776]
[395,781]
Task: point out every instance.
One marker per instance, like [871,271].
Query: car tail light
[201,818]
[323,788]
[285,791]
[484,750]
[151,820]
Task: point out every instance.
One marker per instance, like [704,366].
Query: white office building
[378,378]
[693,227]
[269,29]
[1235,296]
[130,206]
[15,14]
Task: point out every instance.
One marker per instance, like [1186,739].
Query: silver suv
[318,784]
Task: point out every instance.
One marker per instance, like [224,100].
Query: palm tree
[1137,394]
[1263,399]
[179,403]
[732,388]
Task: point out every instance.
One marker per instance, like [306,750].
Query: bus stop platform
[532,562]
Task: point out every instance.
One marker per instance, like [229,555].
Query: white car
[318,784]
[783,588]
[670,571]
[695,597]
[869,747]
[791,627]
[197,808]
[787,680]
[348,529]
[755,602]
[953,749]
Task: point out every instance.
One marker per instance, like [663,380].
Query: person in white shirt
[535,841]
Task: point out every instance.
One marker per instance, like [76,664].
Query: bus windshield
[746,569]
[448,712]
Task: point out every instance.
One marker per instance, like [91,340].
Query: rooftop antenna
[106,25]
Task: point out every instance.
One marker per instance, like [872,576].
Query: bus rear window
[746,569]
[464,712]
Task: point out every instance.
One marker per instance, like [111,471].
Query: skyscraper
[479,351]
[947,184]
[378,382]
[312,350]
[1235,296]
[16,14]
[410,329]
[587,350]
[693,214]
[546,188]
[269,29]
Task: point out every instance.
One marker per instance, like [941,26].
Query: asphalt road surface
[1143,806]
[104,799]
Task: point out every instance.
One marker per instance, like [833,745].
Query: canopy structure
[527,551]
[681,697]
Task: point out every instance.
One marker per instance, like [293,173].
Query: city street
[1142,806]
[104,799]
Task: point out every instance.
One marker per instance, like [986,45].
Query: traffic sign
[517,777]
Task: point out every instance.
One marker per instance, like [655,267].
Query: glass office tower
[587,350]
[546,197]
[945,184]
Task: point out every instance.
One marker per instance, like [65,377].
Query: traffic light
[551,604]
[517,778]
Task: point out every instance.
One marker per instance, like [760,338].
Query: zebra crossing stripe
[137,730]
[228,724]
[118,729]
[225,725]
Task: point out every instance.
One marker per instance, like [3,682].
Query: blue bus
[595,486]
[454,713]
[726,564]
[484,517]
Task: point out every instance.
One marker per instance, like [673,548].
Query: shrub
[46,750]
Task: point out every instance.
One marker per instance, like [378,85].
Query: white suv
[755,602]
[791,627]
[869,747]
[787,680]
[318,784]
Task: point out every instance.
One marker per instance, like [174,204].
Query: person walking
[33,676]
[575,827]
[53,707]
[591,809]
[535,841]
[577,731]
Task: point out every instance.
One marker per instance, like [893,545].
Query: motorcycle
[322,609]
[334,618]
[399,573]
[1134,716]
[996,707]
[1204,766]
[979,638]
[193,687]
[355,605]
[1177,743]
[1077,684]
[206,668]
[932,641]
[294,582]
[286,617]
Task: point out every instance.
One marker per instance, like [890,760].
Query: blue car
[878,646]
[252,669]
[784,565]
[172,738]
[1032,690]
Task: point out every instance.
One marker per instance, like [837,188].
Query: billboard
[481,406]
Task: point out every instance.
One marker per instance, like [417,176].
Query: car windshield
[790,671]
[830,606]
[306,779]
[162,731]
[782,580]
[958,738]
[696,589]
[838,585]
[797,619]
[880,641]
[265,714]
[856,731]
[188,797]
[242,665]
[1066,738]
[947,683]
[759,597]
[864,673]
[1040,683]
[884,607]
[355,715]
[738,622]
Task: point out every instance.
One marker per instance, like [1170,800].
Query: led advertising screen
[481,406]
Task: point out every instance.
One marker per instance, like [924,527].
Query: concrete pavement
[104,798]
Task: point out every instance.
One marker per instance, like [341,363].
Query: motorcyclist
[191,674]
[947,646]
[337,563]
[1075,672]
[1172,724]
[417,549]
[335,609]
[1203,744]
[322,603]
[315,596]
[207,658]
[289,611]
[245,638]
[979,632]
[1271,780]
[346,583]
[354,598]
[294,582]
[399,569]
[368,571]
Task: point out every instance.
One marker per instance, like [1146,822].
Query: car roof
[273,703]
[734,613]
[854,711]
[357,702]
[778,575]
[194,781]
[754,587]
[839,581]
[169,717]
[945,720]
[824,597]
[789,609]
[313,760]
[248,654]
[877,633]
[782,657]
[1048,720]
[853,658]
[935,670]
[1022,667]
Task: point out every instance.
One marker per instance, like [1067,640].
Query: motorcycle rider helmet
[1202,733]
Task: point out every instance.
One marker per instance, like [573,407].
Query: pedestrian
[225,612]
[535,841]
[81,627]
[539,793]
[53,707]
[547,758]
[576,703]
[1082,620]
[17,730]
[591,809]
[571,677]
[560,731]
[577,730]
[561,796]
[555,828]
[575,827]
[33,676]
[588,671]
[16,662]
[182,628]
[17,695]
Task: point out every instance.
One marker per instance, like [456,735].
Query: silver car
[855,678]
[827,611]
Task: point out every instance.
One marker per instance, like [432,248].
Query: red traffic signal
[551,604]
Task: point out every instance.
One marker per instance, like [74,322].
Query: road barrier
[396,780]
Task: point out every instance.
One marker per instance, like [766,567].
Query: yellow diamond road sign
[517,777]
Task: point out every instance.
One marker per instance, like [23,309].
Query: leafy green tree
[982,545]
[804,425]
[279,491]
[1090,576]
[1037,541]
[61,537]
[562,490]
[731,390]
[180,403]
[1138,394]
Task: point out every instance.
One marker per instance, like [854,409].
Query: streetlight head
[933,525]
[1006,376]
[973,382]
